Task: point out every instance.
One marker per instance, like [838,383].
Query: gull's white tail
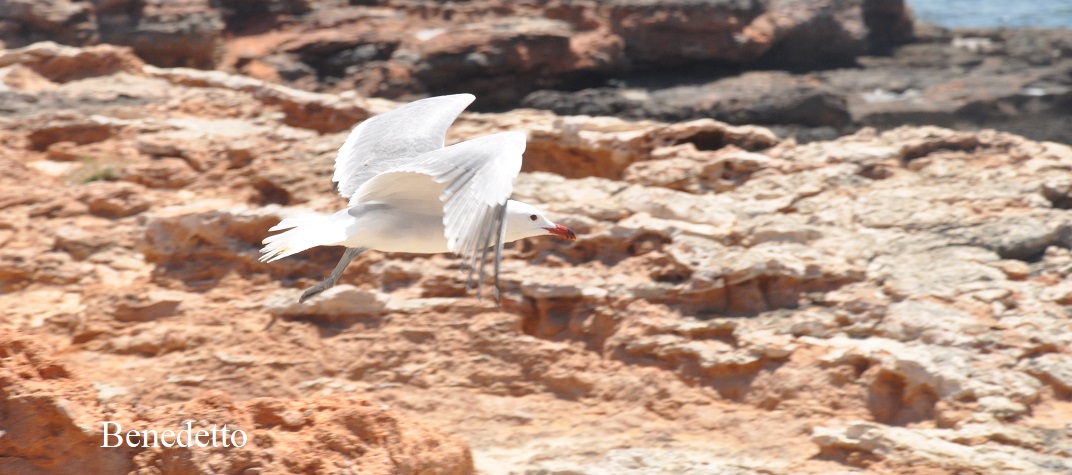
[306,231]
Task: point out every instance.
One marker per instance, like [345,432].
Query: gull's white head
[524,220]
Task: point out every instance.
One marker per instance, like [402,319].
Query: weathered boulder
[208,241]
[114,199]
[501,53]
[60,63]
[751,98]
[183,33]
[28,21]
[862,440]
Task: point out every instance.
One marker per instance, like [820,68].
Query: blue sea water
[993,13]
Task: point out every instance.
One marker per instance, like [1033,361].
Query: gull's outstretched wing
[394,138]
[477,177]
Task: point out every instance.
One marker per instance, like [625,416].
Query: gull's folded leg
[331,280]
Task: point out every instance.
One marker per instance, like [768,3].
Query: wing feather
[395,138]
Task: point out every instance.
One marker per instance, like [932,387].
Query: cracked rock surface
[886,302]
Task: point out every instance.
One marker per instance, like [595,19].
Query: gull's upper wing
[478,178]
[395,138]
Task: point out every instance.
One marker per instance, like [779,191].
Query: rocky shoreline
[1012,80]
[811,70]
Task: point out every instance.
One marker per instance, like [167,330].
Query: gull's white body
[409,193]
[388,229]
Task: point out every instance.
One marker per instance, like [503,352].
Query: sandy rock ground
[893,302]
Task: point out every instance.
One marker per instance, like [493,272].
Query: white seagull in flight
[409,193]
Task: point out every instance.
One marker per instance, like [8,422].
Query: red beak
[563,232]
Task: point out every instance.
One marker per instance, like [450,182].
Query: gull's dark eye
[532,217]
